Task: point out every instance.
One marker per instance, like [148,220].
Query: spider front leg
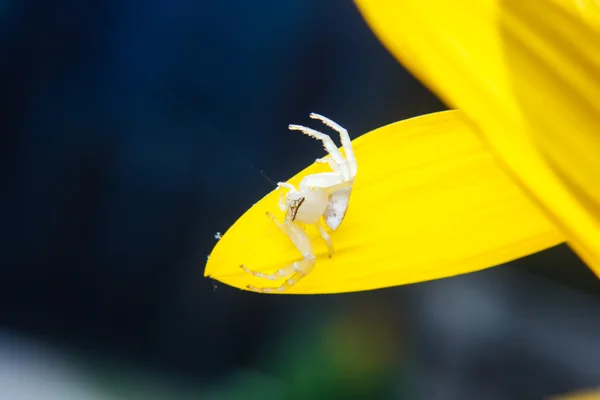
[338,163]
[293,272]
[345,139]
[289,186]
[347,167]
[330,161]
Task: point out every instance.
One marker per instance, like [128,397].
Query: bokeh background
[131,131]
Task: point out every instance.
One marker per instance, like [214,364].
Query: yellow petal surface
[428,202]
[527,75]
[584,395]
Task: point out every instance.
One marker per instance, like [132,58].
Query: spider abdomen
[336,208]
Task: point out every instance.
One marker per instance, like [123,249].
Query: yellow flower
[527,75]
[515,171]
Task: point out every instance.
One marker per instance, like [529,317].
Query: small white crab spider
[325,195]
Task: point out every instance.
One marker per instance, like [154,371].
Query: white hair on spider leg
[320,198]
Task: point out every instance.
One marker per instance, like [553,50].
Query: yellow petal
[428,202]
[584,395]
[527,75]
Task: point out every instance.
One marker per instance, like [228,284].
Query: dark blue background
[129,132]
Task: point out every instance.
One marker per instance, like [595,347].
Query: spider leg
[285,185]
[325,237]
[293,272]
[303,268]
[284,272]
[289,186]
[329,146]
[345,139]
[330,161]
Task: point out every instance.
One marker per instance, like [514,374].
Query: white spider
[325,195]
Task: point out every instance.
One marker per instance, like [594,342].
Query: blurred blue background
[131,131]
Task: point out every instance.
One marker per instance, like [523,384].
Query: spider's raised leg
[329,146]
[293,272]
[345,139]
[330,161]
